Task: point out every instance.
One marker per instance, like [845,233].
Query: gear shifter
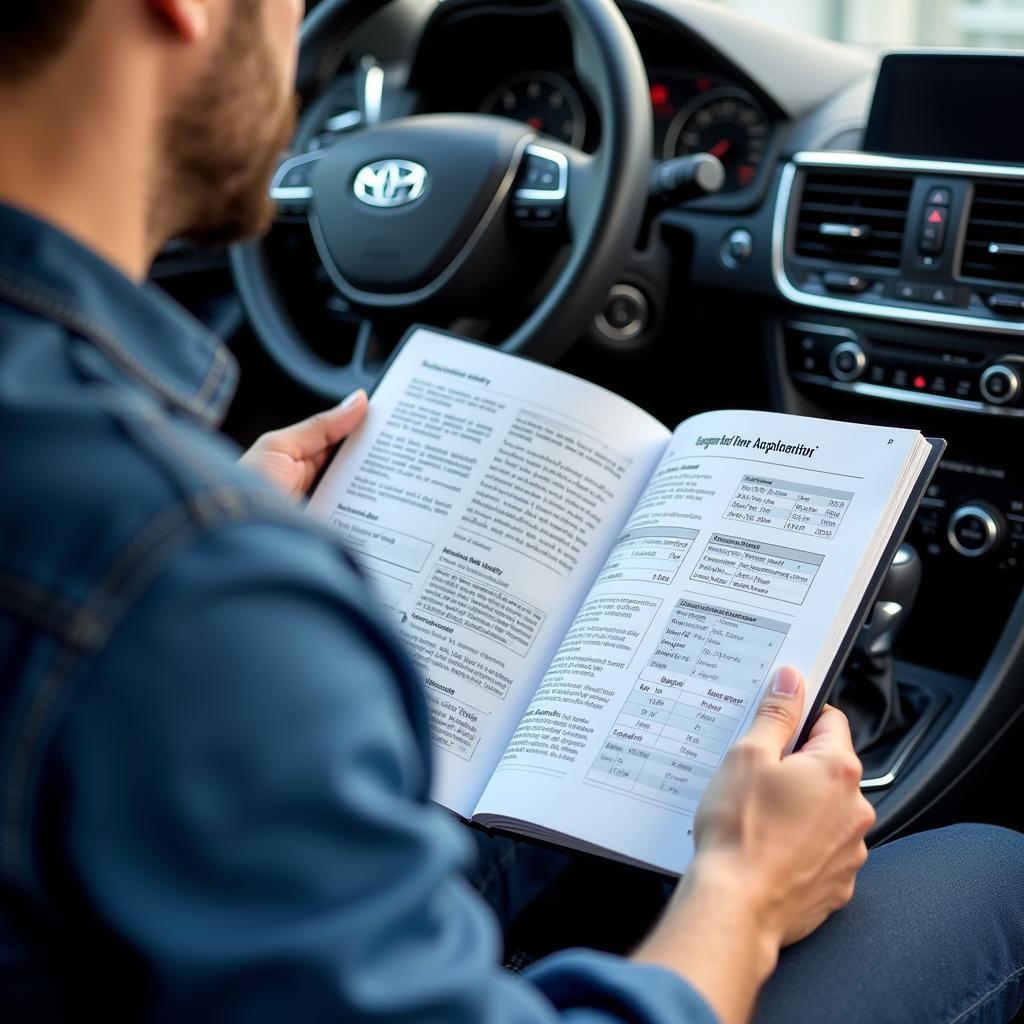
[892,608]
[879,710]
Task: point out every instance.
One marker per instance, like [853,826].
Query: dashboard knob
[847,361]
[1000,384]
[976,529]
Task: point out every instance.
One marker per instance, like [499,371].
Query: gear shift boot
[883,758]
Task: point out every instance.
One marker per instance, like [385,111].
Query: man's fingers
[831,730]
[323,431]
[778,716]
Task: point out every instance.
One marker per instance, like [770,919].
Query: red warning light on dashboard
[919,382]
[659,95]
[935,217]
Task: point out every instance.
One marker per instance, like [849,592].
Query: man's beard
[222,144]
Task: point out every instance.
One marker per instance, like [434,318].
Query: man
[213,758]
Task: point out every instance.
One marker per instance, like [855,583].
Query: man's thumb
[778,716]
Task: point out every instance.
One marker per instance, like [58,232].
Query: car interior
[701,212]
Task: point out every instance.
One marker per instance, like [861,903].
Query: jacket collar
[144,334]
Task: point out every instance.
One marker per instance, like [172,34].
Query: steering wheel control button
[625,316]
[541,174]
[296,176]
[847,361]
[536,215]
[737,248]
[292,184]
[933,229]
[541,188]
[974,530]
[1000,384]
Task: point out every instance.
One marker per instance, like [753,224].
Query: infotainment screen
[954,106]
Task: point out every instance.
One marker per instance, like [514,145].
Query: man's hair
[33,32]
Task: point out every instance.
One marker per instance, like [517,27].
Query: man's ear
[189,19]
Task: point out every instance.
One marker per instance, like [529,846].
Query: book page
[737,559]
[481,495]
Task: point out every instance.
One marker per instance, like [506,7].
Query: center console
[906,264]
[969,530]
[903,271]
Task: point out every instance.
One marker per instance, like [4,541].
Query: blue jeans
[935,933]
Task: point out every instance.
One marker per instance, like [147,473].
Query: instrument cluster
[694,112]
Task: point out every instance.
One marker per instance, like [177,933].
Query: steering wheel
[427,216]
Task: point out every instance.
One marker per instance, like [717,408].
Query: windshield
[988,23]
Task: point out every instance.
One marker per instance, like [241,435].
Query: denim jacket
[214,760]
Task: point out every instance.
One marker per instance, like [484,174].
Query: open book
[597,603]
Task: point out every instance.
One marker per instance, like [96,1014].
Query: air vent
[994,246]
[853,219]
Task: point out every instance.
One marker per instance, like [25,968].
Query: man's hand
[290,458]
[792,828]
[779,841]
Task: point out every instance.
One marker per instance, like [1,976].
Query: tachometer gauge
[546,102]
[726,123]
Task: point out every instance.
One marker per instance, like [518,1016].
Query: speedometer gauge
[546,102]
[726,123]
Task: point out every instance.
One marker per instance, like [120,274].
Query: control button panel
[541,189]
[969,381]
[925,291]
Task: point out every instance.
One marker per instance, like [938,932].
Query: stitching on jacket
[217,499]
[29,600]
[36,298]
[20,761]
[134,569]
[132,419]
[50,690]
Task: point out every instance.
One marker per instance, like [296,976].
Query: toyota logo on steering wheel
[390,183]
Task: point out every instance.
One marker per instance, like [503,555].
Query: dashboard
[698,105]
[692,111]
